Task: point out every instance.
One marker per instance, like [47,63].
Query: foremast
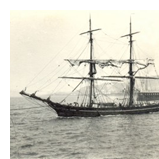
[92,69]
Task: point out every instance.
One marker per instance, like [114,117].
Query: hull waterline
[68,111]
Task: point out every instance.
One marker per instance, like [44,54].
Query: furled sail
[109,62]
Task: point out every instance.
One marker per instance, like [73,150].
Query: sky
[36,36]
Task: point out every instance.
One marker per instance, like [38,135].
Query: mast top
[130,34]
[90,30]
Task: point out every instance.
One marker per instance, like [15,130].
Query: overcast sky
[36,36]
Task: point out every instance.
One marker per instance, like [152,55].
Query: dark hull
[70,111]
[74,111]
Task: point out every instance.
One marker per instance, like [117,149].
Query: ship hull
[70,111]
[76,111]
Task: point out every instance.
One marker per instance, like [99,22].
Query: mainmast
[131,75]
[132,80]
[91,73]
[92,65]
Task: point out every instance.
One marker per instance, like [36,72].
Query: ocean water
[37,133]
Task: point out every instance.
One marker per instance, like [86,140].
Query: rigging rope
[45,84]
[42,87]
[114,38]
[72,91]
[27,108]
[51,60]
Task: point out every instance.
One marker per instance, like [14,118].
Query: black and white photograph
[84,84]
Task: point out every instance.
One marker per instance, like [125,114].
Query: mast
[131,75]
[132,80]
[91,74]
[91,65]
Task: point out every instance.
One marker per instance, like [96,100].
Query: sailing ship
[135,102]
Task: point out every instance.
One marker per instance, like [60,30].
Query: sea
[36,132]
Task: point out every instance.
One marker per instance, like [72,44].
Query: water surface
[38,133]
